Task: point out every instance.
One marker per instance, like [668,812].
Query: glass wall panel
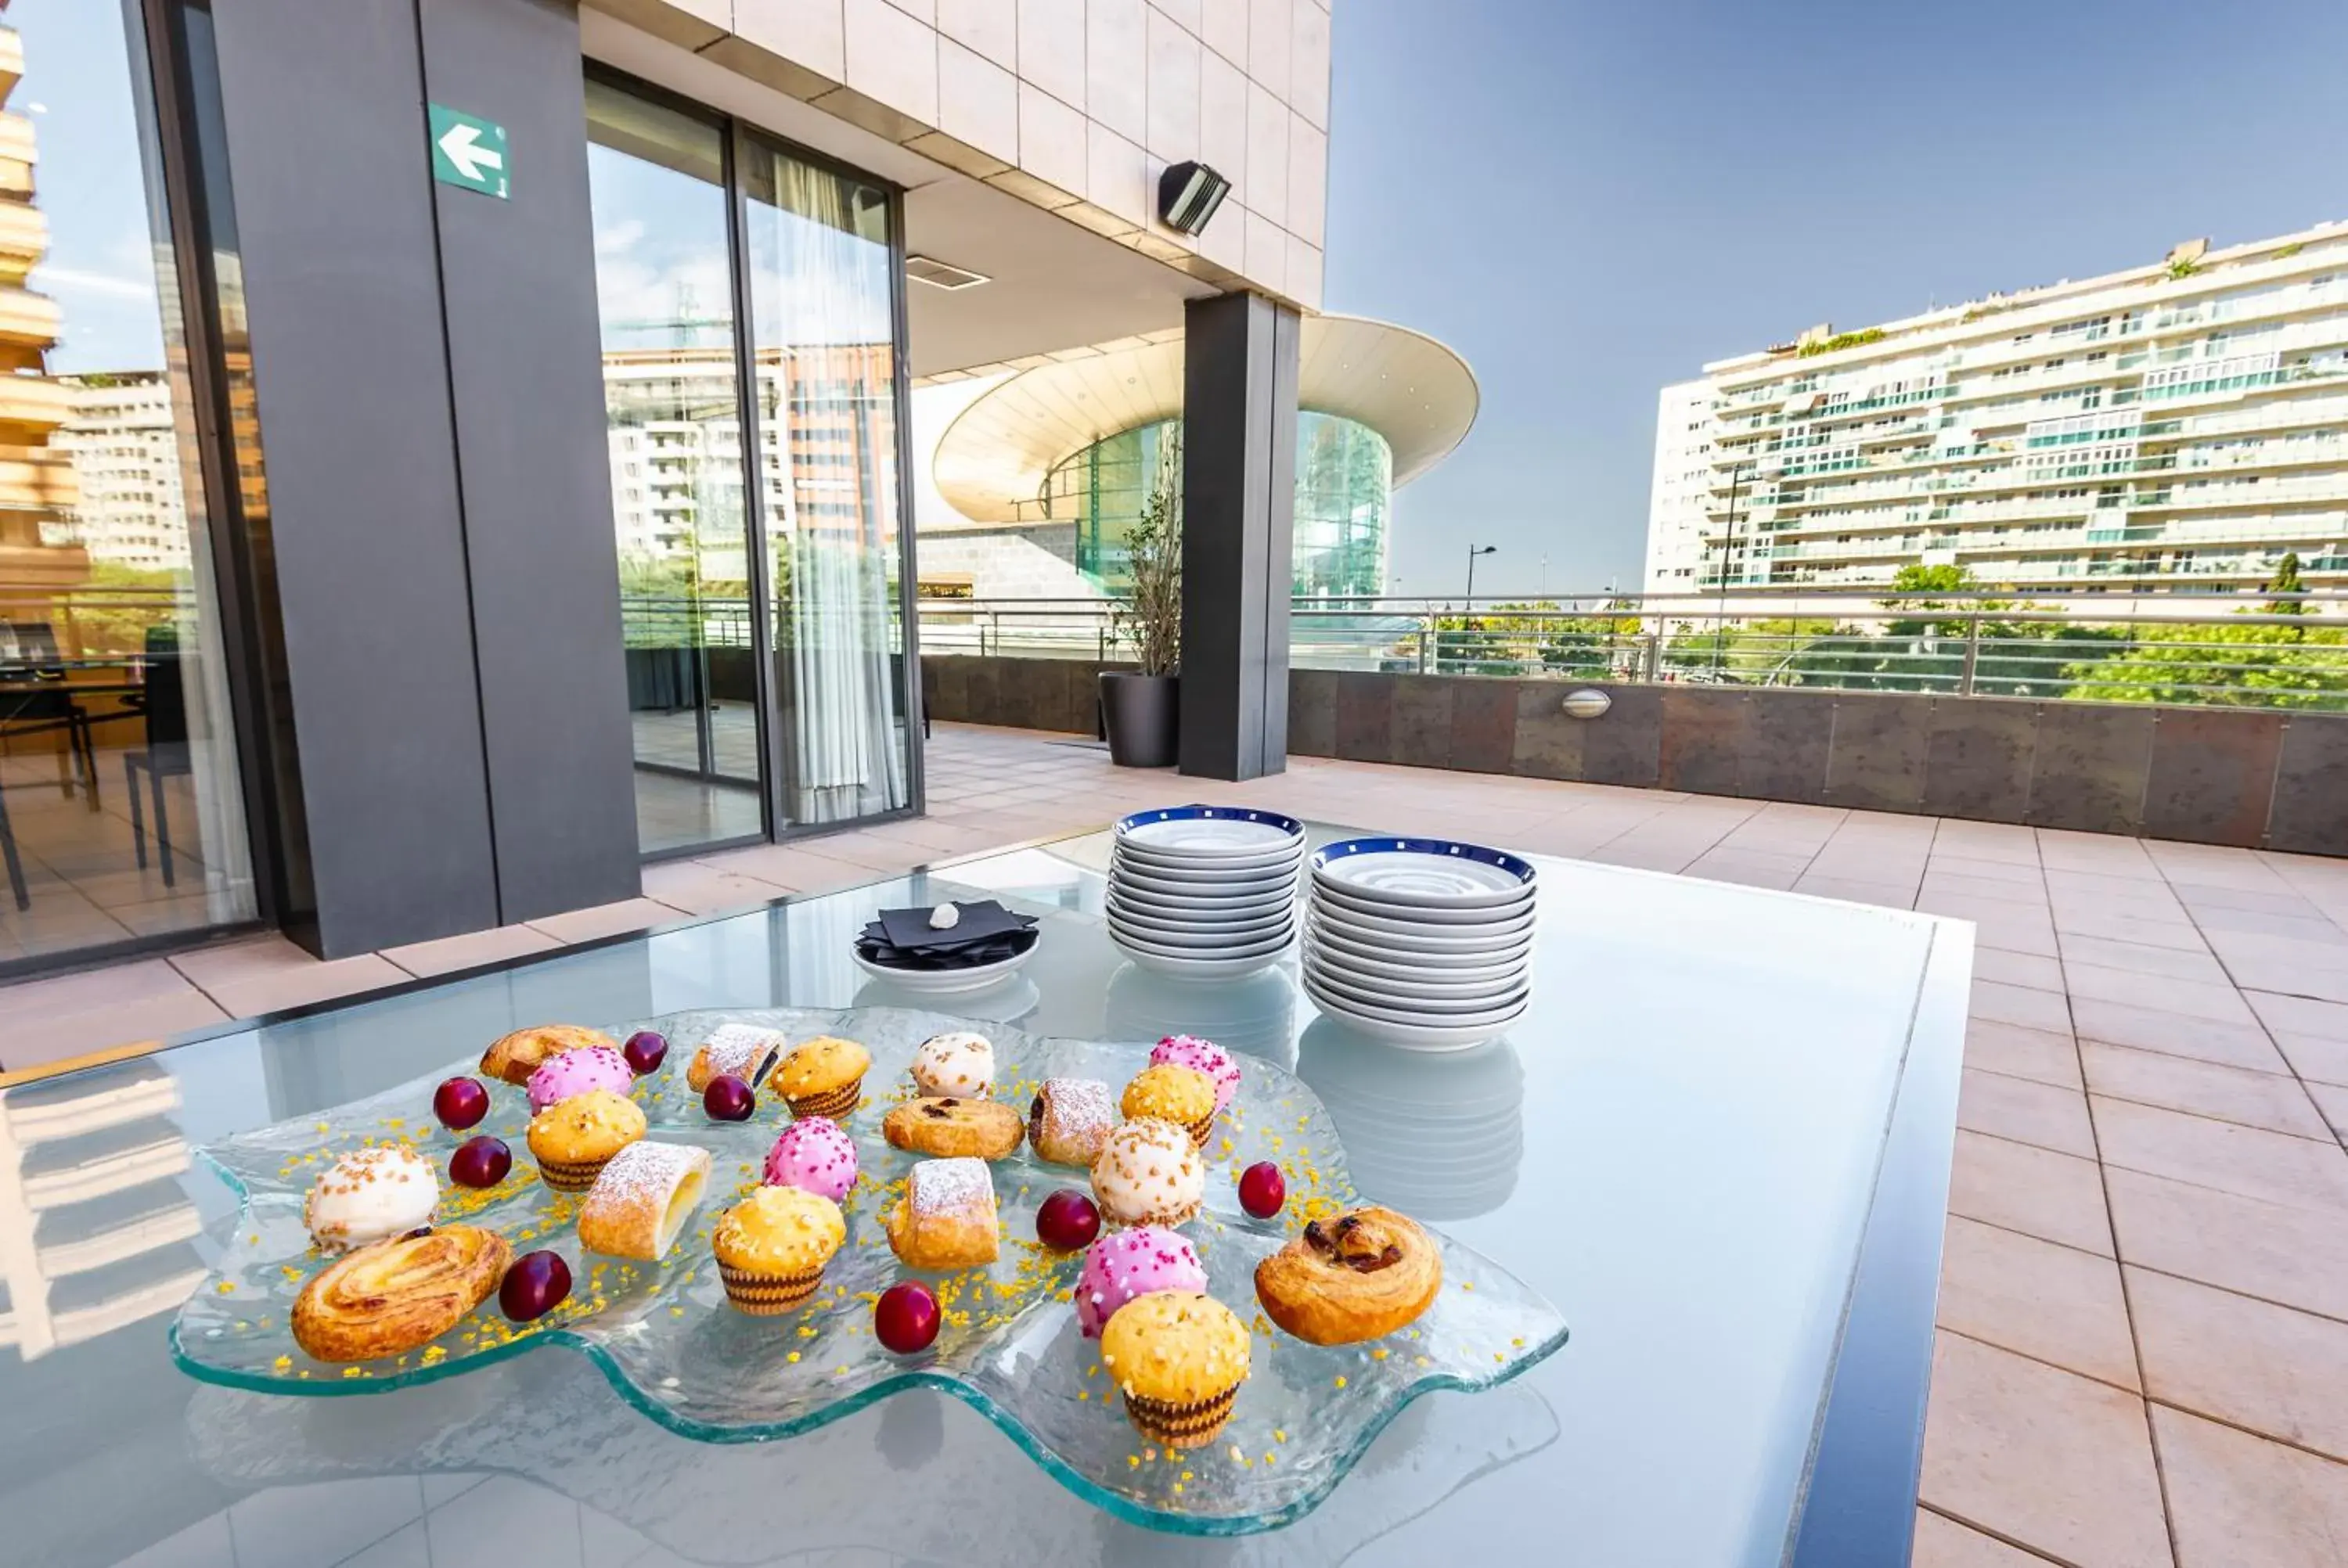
[121,805]
[823,276]
[673,408]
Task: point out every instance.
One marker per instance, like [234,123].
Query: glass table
[1719,1144]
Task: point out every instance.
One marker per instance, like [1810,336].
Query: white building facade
[2178,427]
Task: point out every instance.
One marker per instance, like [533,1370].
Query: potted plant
[1139,708]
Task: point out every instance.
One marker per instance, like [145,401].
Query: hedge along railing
[2279,651]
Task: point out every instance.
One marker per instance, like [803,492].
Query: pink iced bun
[578,1071]
[1130,1263]
[815,1156]
[1202,1056]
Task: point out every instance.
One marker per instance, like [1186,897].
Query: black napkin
[908,930]
[994,949]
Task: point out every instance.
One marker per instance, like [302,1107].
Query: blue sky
[1590,199]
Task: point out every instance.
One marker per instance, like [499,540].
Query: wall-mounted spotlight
[1189,194]
[1587,703]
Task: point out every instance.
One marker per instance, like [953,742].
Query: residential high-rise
[132,508]
[2180,426]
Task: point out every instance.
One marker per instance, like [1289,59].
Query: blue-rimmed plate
[1423,873]
[1208,831]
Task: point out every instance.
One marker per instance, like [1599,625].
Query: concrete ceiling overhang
[993,461]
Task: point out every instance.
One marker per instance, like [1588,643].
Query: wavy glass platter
[666,1339]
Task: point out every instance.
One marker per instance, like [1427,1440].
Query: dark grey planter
[1143,717]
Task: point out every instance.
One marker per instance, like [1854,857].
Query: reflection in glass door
[673,409]
[823,279]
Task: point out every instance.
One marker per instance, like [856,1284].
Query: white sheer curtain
[822,279]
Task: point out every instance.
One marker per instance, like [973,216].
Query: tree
[1151,618]
[2247,665]
[2286,580]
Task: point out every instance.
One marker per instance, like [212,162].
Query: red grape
[480,1162]
[535,1285]
[460,1102]
[645,1050]
[905,1318]
[1263,1189]
[728,1099]
[1067,1222]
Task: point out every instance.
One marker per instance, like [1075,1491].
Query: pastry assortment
[395,1281]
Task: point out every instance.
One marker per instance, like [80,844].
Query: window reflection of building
[125,451]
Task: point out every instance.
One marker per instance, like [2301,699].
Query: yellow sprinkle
[226,1287]
[353,1372]
[1379,1354]
[1177,1487]
[1269,1457]
[283,1362]
[1280,1434]
[1498,1357]
[794,1356]
[1084,1394]
[1467,1285]
[1133,1461]
[1341,1381]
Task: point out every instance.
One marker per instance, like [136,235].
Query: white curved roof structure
[993,461]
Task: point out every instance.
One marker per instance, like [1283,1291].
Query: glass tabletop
[1678,1145]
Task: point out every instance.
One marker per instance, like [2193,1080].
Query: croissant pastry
[396,1294]
[1357,1276]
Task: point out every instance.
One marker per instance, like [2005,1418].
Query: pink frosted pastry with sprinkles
[580,1072]
[815,1156]
[1202,1056]
[1127,1264]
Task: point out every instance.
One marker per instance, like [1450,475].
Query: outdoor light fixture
[1587,703]
[1189,194]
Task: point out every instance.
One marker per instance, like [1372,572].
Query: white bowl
[1411,1035]
[1180,860]
[1347,898]
[1191,938]
[1410,1004]
[1405,980]
[1428,957]
[1203,884]
[1209,830]
[1134,940]
[1424,873]
[1174,907]
[1229,968]
[1439,939]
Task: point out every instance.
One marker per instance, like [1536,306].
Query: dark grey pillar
[1239,504]
[425,371]
[518,287]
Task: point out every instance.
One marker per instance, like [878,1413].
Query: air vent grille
[941,275]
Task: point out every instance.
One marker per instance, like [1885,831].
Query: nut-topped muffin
[572,1140]
[824,1077]
[1179,1358]
[1148,1174]
[1182,1096]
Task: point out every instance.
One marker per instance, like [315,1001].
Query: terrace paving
[2143,1347]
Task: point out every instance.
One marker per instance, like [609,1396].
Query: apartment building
[2180,426]
[131,509]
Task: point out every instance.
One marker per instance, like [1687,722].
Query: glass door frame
[741,140]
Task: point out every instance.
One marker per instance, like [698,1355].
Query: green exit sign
[468,153]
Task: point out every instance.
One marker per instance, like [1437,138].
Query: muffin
[572,1140]
[824,1077]
[1359,1275]
[1203,1056]
[772,1248]
[368,1195]
[1148,1174]
[1125,1265]
[577,1071]
[1182,1096]
[946,1219]
[514,1057]
[957,1063]
[1179,1357]
[814,1156]
[1068,1119]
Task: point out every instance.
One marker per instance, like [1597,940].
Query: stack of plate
[1421,942]
[1204,892]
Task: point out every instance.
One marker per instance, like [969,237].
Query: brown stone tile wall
[2252,778]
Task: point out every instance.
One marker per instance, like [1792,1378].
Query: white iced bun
[1148,1172]
[959,1065]
[368,1195]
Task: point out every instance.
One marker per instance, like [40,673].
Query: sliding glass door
[766,639]
[823,275]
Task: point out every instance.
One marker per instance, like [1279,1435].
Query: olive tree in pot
[1140,708]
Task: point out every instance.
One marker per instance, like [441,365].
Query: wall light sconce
[1189,194]
[1587,703]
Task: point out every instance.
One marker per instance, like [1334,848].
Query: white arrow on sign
[461,144]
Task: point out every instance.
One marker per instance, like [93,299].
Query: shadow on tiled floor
[2143,1345]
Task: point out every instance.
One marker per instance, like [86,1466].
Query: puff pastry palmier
[394,1294]
[1357,1276]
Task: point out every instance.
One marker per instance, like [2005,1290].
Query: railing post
[1972,654]
[1652,661]
[1422,648]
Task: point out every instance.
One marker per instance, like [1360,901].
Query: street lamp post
[1473,552]
[1728,547]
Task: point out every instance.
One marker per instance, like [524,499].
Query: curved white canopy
[993,461]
